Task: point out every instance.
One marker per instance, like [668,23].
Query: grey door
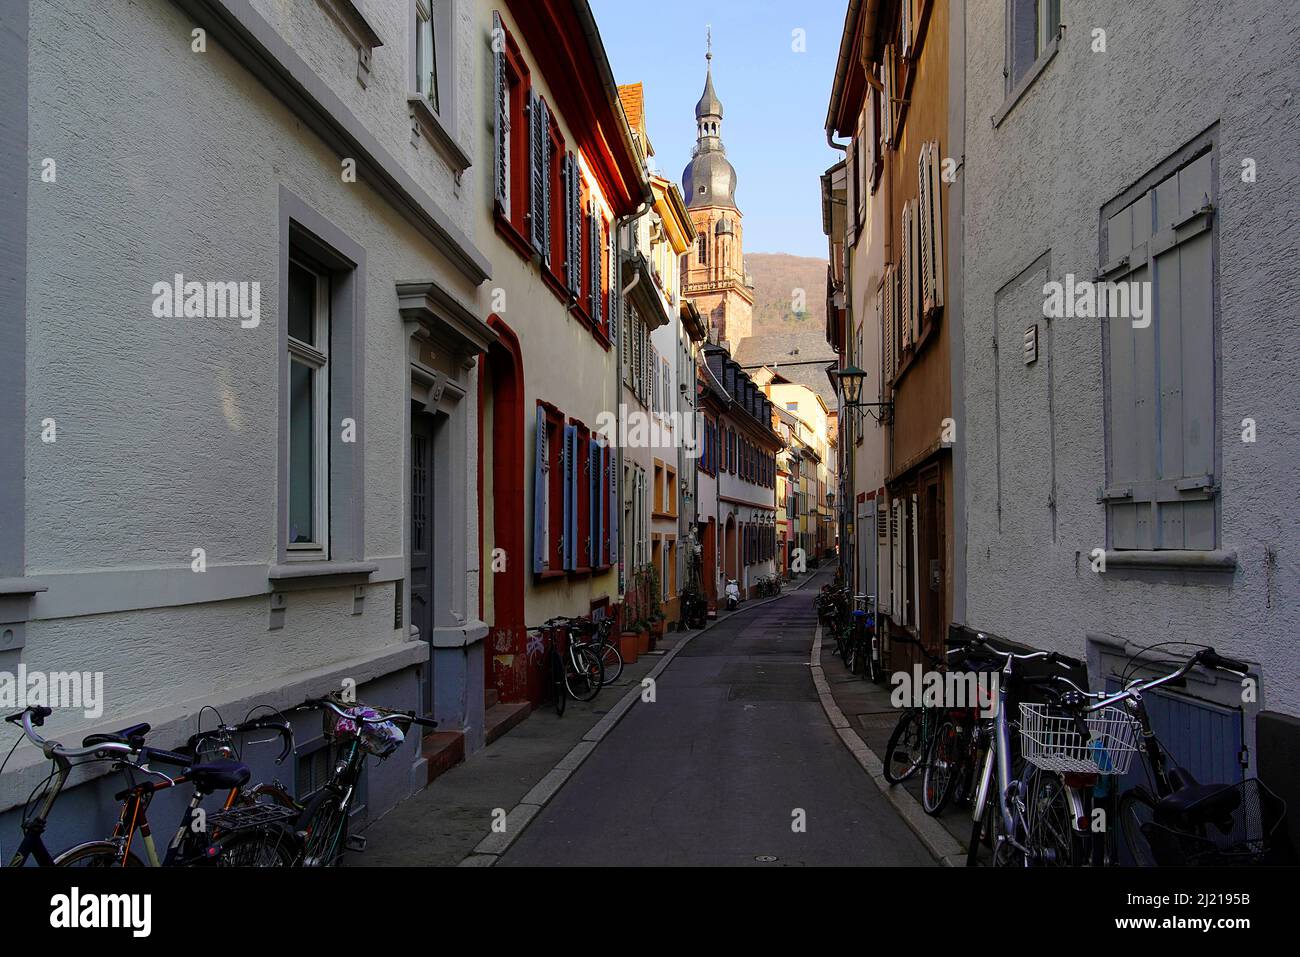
[422,481]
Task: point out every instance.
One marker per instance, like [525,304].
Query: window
[309,334]
[670,490]
[512,127]
[659,487]
[539,178]
[703,246]
[549,497]
[427,35]
[889,100]
[1157,242]
[930,230]
[1033,26]
[571,175]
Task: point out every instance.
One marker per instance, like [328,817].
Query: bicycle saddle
[133,736]
[1201,803]
[219,775]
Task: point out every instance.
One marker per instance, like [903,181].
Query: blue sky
[774,99]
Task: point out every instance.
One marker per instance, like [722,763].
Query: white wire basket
[1050,739]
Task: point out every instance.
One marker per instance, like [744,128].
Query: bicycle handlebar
[37,714]
[258,724]
[386,714]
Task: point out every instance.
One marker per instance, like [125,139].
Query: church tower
[714,275]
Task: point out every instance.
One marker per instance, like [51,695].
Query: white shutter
[936,224]
[925,261]
[905,268]
[907,14]
[896,561]
[851,161]
[914,572]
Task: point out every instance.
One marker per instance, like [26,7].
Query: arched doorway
[501,486]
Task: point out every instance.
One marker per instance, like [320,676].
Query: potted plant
[656,621]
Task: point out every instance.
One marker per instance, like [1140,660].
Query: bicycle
[575,670]
[1178,821]
[863,645]
[235,836]
[910,742]
[1010,802]
[601,642]
[357,730]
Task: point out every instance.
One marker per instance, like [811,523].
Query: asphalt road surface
[733,763]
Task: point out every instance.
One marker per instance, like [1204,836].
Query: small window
[1034,24]
[309,304]
[426,52]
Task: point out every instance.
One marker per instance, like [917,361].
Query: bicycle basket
[1049,739]
[381,739]
[1240,835]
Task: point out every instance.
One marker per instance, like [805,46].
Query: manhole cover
[764,858]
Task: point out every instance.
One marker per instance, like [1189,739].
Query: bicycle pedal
[356,843]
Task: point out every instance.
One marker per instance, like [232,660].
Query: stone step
[442,750]
[500,718]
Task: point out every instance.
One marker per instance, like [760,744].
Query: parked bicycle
[237,835]
[1177,821]
[574,667]
[356,730]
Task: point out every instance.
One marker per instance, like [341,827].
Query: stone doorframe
[444,339]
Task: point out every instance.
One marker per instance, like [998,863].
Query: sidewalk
[450,822]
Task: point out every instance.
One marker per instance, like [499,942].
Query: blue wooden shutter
[573,226]
[615,510]
[595,495]
[537,141]
[593,248]
[611,272]
[569,537]
[501,127]
[541,498]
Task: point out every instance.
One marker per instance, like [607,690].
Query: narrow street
[713,771]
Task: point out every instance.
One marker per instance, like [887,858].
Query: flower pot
[642,641]
[627,646]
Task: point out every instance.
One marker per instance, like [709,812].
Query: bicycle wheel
[611,660]
[1050,837]
[324,826]
[584,679]
[1136,821]
[942,765]
[96,854]
[271,846]
[905,750]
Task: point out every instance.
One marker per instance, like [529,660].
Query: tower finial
[709,55]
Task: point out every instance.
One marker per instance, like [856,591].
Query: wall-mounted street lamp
[850,380]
